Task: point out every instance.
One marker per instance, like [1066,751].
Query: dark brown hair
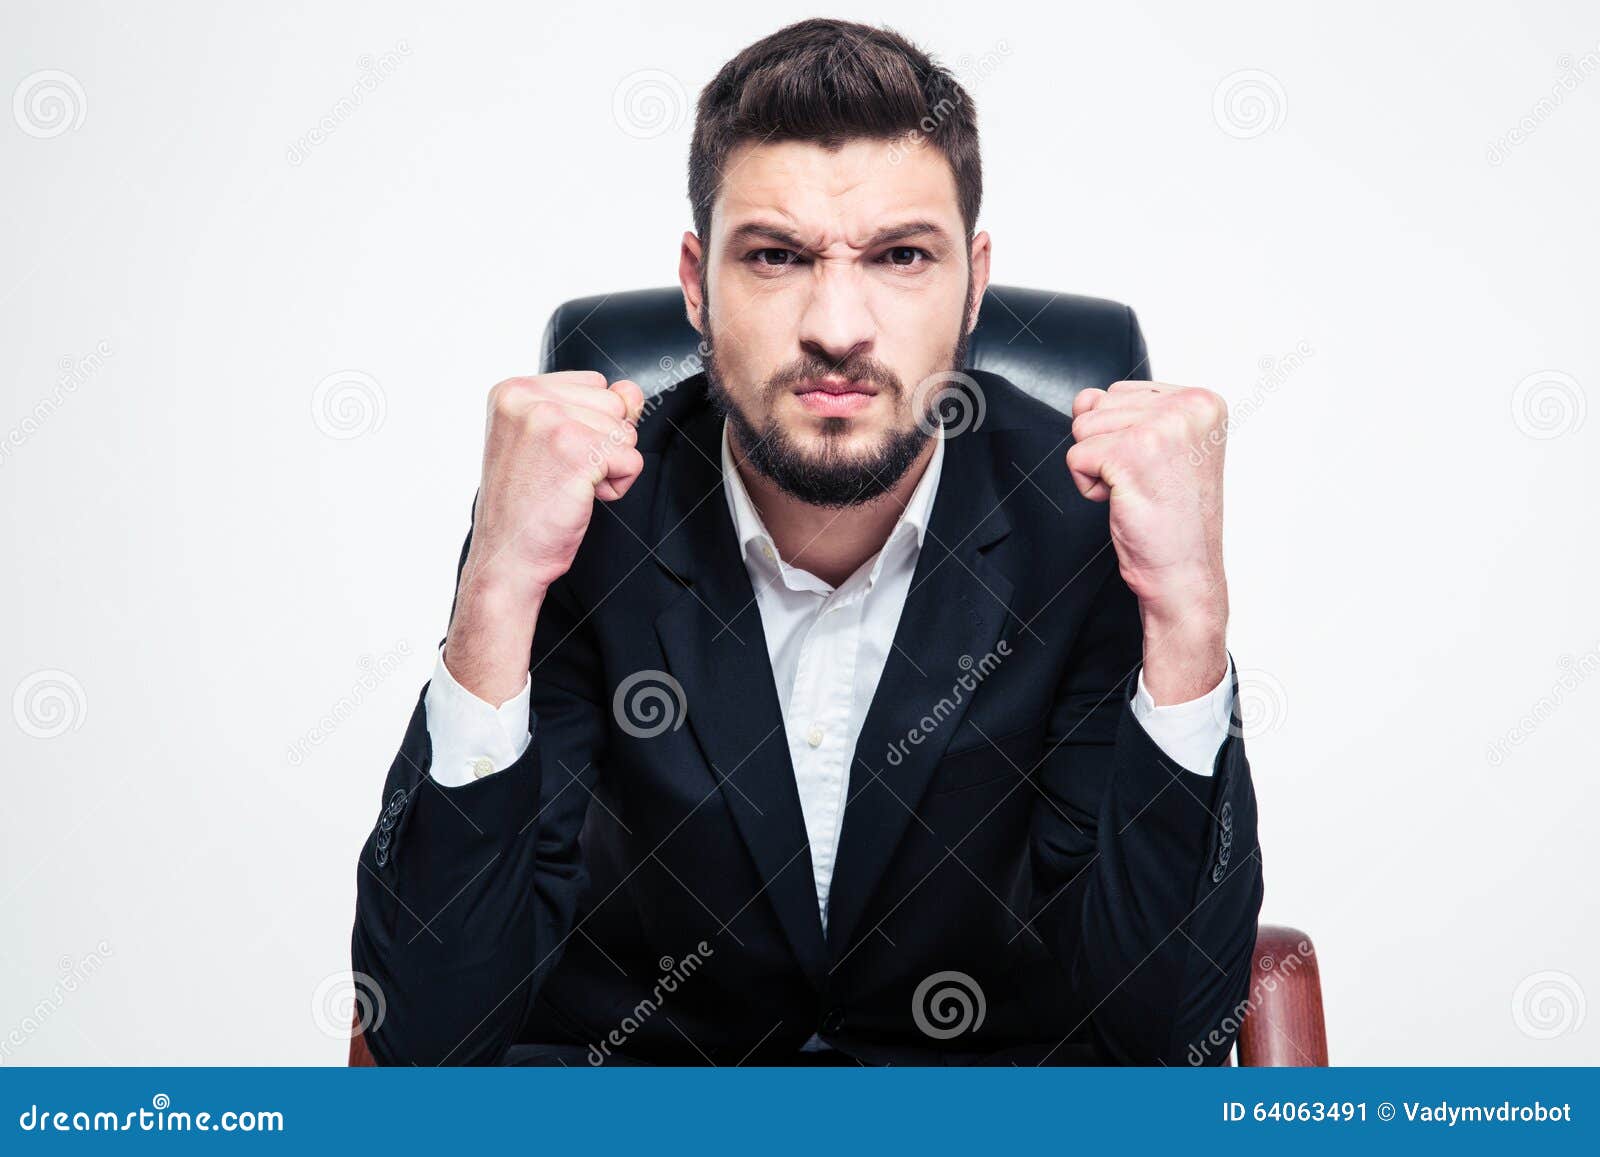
[830,81]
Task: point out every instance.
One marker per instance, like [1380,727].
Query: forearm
[443,924]
[1160,938]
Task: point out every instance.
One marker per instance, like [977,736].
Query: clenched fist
[553,445]
[1135,446]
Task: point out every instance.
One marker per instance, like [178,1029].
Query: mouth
[835,397]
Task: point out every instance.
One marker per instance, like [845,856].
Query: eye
[905,256]
[773,258]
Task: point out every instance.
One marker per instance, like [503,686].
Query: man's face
[831,286]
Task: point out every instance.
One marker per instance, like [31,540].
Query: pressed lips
[835,397]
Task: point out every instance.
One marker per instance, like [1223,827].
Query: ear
[980,275]
[689,267]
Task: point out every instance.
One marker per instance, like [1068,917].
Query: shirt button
[814,736]
[482,766]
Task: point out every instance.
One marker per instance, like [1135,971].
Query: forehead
[841,193]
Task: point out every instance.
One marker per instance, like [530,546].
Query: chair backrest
[1050,344]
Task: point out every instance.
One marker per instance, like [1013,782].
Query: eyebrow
[762,230]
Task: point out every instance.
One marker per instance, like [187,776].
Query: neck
[830,543]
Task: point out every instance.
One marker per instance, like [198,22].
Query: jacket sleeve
[1147,876]
[465,895]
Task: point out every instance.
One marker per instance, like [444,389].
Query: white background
[1411,541]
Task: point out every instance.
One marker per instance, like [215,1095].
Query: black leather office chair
[1050,344]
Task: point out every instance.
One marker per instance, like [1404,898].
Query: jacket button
[833,1021]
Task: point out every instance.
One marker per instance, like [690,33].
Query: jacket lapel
[715,647]
[957,607]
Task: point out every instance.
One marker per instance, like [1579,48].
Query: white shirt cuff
[1190,734]
[472,738]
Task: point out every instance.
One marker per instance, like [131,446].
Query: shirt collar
[752,532]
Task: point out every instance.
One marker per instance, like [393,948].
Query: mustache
[857,367]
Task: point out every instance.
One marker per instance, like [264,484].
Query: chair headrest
[1050,344]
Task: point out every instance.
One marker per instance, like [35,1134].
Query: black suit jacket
[645,886]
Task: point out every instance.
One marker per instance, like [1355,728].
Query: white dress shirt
[828,646]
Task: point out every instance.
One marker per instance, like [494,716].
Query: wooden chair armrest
[1283,1024]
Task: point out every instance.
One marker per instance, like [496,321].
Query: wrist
[1185,650]
[490,640]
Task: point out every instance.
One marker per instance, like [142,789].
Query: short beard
[827,479]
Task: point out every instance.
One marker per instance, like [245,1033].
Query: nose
[837,323]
